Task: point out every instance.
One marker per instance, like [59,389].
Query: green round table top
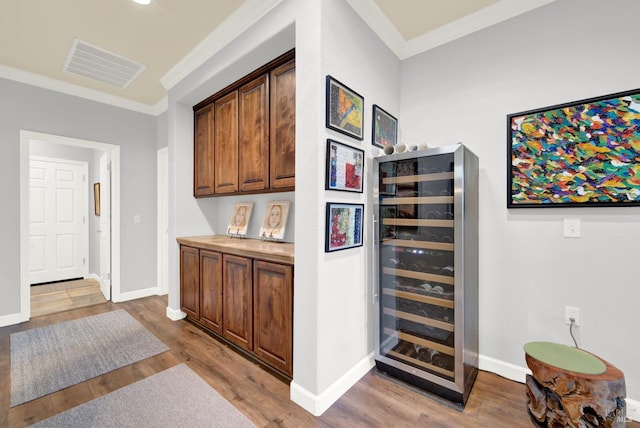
[565,357]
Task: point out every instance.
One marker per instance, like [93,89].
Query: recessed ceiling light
[145,2]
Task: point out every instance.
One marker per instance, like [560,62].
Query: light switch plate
[572,228]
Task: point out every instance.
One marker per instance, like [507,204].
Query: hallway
[63,296]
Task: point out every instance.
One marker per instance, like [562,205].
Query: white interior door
[58,229]
[105,226]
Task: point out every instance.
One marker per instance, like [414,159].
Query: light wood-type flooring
[62,296]
[375,401]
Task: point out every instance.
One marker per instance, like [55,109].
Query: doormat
[51,358]
[176,397]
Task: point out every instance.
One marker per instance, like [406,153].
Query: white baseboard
[138,294]
[12,319]
[633,409]
[317,404]
[502,368]
[175,314]
[94,276]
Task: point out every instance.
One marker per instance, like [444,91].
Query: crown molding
[373,16]
[491,15]
[239,21]
[38,80]
[469,24]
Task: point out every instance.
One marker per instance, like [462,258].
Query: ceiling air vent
[101,65]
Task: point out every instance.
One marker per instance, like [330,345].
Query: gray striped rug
[176,397]
[48,359]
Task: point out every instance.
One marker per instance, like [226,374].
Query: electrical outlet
[572,228]
[571,312]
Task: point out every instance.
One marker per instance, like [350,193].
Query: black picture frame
[384,128]
[344,167]
[579,154]
[343,226]
[344,109]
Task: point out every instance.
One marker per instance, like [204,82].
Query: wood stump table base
[558,397]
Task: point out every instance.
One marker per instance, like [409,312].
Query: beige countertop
[280,252]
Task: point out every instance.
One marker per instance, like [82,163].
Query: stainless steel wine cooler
[426,268]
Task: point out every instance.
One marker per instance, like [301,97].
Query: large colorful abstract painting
[584,153]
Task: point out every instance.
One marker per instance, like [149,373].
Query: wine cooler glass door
[416,263]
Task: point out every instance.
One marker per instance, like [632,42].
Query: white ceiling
[172,37]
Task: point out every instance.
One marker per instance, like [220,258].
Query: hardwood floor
[62,296]
[375,401]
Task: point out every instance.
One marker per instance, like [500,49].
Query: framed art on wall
[343,226]
[344,167]
[384,128]
[583,153]
[345,109]
[239,220]
[275,220]
[96,198]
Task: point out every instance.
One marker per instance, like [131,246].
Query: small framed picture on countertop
[275,220]
[240,219]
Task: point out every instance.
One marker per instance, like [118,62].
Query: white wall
[528,272]
[25,107]
[355,56]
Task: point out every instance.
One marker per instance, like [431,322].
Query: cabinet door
[226,143]
[203,183]
[238,301]
[283,126]
[190,281]
[211,290]
[254,135]
[273,314]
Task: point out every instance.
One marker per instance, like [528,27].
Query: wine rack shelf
[418,178]
[428,245]
[419,200]
[419,275]
[405,351]
[418,298]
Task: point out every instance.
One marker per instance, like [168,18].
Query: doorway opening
[51,297]
[105,227]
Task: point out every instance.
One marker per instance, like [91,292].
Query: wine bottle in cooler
[441,360]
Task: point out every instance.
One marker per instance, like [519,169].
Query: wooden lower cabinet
[238,302]
[272,314]
[246,301]
[211,290]
[190,281]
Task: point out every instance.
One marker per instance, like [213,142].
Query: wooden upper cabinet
[245,135]
[283,126]
[226,143]
[254,135]
[203,180]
